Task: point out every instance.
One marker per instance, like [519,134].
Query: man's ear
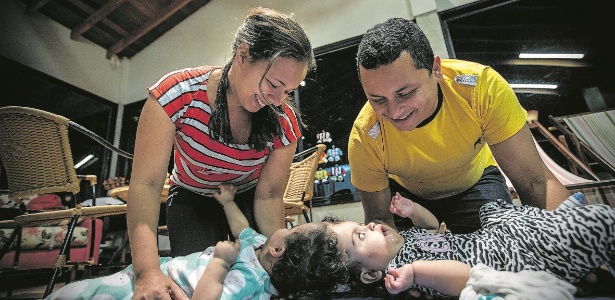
[276,251]
[370,276]
[437,67]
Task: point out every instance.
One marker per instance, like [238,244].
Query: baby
[567,243]
[303,260]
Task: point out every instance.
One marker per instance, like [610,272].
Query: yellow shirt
[448,155]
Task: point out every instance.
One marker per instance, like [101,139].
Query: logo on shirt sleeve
[375,130]
[466,79]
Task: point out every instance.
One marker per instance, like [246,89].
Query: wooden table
[122,193]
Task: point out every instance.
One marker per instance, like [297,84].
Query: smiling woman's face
[254,91]
[372,245]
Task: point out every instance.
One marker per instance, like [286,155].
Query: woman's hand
[155,285]
[400,279]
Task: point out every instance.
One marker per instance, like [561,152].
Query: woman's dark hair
[269,35]
[384,43]
[312,265]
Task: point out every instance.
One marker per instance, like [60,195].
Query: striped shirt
[200,163]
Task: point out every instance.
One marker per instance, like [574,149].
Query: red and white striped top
[200,163]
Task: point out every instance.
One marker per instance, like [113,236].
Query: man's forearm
[376,206]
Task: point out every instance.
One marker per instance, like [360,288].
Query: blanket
[486,283]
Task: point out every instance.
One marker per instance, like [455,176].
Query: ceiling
[495,32]
[122,27]
[491,32]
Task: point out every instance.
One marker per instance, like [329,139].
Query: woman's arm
[532,179]
[154,142]
[445,276]
[211,283]
[268,205]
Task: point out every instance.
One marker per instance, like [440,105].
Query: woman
[230,124]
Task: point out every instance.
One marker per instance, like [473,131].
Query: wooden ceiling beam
[116,28]
[32,8]
[95,18]
[160,17]
[144,9]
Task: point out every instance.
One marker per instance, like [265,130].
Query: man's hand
[401,206]
[400,279]
[155,285]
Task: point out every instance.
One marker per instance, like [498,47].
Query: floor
[35,292]
[32,285]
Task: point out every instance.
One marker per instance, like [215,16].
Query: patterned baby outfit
[566,242]
[246,280]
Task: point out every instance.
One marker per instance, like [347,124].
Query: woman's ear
[243,52]
[370,276]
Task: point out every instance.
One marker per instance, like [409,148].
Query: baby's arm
[210,284]
[236,219]
[445,276]
[420,216]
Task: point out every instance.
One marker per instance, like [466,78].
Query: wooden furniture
[122,193]
[300,185]
[35,150]
[596,190]
[592,136]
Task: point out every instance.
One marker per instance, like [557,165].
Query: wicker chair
[300,186]
[35,151]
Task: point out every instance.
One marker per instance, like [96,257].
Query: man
[432,130]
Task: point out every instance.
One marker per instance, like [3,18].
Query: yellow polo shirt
[448,155]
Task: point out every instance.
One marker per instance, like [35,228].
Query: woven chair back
[35,151]
[301,177]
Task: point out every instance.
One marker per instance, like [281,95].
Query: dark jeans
[196,222]
[459,212]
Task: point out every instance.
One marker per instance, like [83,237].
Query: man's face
[400,93]
[371,245]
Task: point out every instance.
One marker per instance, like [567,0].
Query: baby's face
[372,245]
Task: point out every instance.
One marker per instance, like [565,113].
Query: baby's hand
[401,206]
[227,251]
[225,194]
[400,279]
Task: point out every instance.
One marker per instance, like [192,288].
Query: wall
[44,45]
[204,38]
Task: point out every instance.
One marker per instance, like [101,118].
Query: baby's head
[370,247]
[313,264]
